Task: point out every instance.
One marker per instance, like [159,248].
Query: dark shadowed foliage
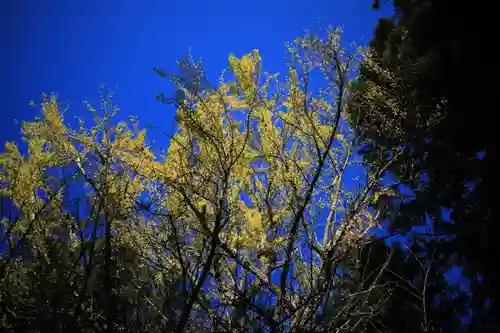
[423,90]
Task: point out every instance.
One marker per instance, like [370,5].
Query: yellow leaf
[254,220]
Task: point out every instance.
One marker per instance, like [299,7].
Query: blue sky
[71,47]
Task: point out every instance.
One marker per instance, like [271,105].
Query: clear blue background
[71,47]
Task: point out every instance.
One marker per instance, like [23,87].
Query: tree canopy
[251,220]
[415,91]
[271,208]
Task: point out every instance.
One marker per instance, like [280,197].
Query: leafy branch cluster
[251,221]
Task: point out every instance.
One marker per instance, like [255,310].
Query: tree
[414,93]
[251,221]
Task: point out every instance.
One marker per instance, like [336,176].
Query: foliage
[414,97]
[250,221]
